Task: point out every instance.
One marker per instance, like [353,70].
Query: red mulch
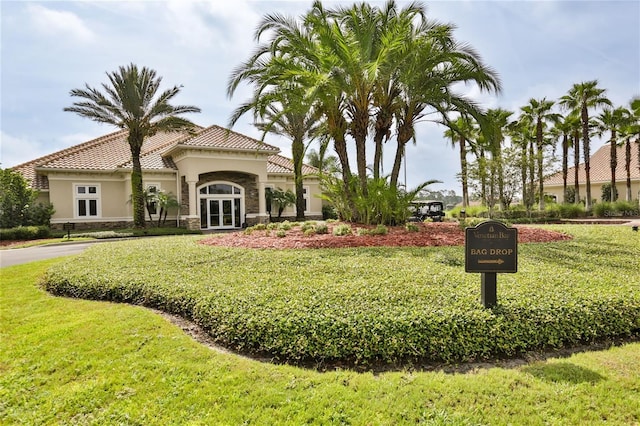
[430,234]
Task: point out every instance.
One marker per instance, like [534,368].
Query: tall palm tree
[581,98]
[522,136]
[564,129]
[131,102]
[368,42]
[498,120]
[283,109]
[631,130]
[461,131]
[538,113]
[614,122]
[434,62]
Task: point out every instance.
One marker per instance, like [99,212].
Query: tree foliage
[18,206]
[361,71]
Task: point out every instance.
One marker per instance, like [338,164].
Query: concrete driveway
[10,257]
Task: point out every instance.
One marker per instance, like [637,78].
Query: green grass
[368,306]
[69,361]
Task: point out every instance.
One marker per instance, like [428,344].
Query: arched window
[221,205]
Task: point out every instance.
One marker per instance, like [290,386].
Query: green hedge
[374,305]
[25,233]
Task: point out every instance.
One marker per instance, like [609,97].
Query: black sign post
[491,248]
[68,227]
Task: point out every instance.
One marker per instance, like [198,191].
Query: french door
[220,213]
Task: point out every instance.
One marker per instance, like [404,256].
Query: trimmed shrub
[342,229]
[571,211]
[411,227]
[25,233]
[380,230]
[322,228]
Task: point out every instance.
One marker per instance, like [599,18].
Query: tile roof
[277,164]
[221,138]
[599,168]
[111,152]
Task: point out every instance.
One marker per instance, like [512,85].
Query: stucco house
[600,174]
[219,177]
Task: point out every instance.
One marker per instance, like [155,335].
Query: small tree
[17,202]
[166,201]
[282,199]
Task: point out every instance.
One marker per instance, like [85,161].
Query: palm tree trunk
[404,136]
[627,166]
[613,163]
[297,152]
[340,146]
[137,193]
[482,168]
[359,129]
[397,162]
[383,124]
[540,161]
[463,172]
[587,154]
[523,175]
[576,163]
[532,172]
[565,165]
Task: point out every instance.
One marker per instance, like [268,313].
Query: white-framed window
[86,199]
[152,205]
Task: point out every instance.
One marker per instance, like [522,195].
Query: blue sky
[539,48]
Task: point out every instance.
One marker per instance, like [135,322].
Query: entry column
[193,220]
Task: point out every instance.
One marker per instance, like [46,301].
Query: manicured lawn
[366,306]
[69,361]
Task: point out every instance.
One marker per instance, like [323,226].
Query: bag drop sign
[491,247]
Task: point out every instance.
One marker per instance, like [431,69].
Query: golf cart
[423,210]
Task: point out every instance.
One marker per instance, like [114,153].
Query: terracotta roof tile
[600,170]
[219,137]
[278,164]
[111,152]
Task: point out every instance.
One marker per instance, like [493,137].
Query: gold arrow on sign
[498,261]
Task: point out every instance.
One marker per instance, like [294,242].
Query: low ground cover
[374,305]
[69,361]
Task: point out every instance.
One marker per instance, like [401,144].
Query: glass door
[227,213]
[214,213]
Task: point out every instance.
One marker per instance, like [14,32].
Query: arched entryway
[221,205]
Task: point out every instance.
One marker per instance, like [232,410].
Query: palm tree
[630,130]
[581,98]
[300,56]
[433,63]
[565,128]
[498,120]
[613,121]
[538,113]
[129,102]
[326,164]
[461,131]
[521,136]
[283,110]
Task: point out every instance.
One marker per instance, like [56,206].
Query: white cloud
[59,23]
[18,150]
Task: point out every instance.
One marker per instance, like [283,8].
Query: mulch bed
[429,234]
